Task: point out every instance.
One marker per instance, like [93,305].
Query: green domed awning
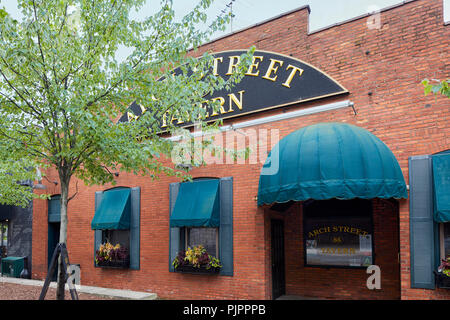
[330,160]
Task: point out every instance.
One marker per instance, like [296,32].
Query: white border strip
[278,117]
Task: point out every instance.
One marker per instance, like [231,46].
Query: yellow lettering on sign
[238,103]
[347,251]
[272,68]
[336,229]
[143,109]
[221,109]
[255,65]
[164,120]
[179,120]
[202,105]
[215,66]
[287,83]
[131,116]
[234,61]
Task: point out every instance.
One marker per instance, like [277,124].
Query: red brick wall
[388,63]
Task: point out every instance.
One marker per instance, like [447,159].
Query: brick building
[282,242]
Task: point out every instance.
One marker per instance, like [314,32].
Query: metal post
[60,250]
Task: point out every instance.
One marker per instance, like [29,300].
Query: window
[207,237]
[338,233]
[114,237]
[217,238]
[445,239]
[4,233]
[117,221]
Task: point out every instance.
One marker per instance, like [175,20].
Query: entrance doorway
[54,223]
[53,239]
[278,267]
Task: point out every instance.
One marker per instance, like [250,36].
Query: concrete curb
[116,293]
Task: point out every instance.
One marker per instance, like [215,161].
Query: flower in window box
[443,274]
[444,268]
[196,259]
[112,255]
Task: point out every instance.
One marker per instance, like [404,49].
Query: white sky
[250,12]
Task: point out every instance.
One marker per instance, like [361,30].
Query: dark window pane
[207,237]
[338,233]
[447,239]
[117,236]
[3,233]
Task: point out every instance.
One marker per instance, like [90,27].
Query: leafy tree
[16,177]
[436,86]
[62,89]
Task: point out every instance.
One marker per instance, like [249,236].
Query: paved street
[28,289]
[12,291]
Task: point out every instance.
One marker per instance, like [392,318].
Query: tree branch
[36,152]
[39,43]
[16,90]
[76,192]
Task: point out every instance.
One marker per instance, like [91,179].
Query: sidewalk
[97,291]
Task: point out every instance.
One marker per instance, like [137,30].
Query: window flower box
[196,261]
[197,270]
[442,280]
[443,274]
[109,256]
[116,264]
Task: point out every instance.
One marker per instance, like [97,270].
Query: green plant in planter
[445,266]
[214,263]
[196,257]
[110,253]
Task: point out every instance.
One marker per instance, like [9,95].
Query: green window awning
[330,160]
[114,211]
[197,205]
[441,181]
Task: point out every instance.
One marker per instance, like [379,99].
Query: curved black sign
[272,80]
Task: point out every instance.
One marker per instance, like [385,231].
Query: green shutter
[422,226]
[226,226]
[174,233]
[135,228]
[97,233]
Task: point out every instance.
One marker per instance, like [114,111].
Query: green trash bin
[12,266]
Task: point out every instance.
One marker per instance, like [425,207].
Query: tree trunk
[62,236]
